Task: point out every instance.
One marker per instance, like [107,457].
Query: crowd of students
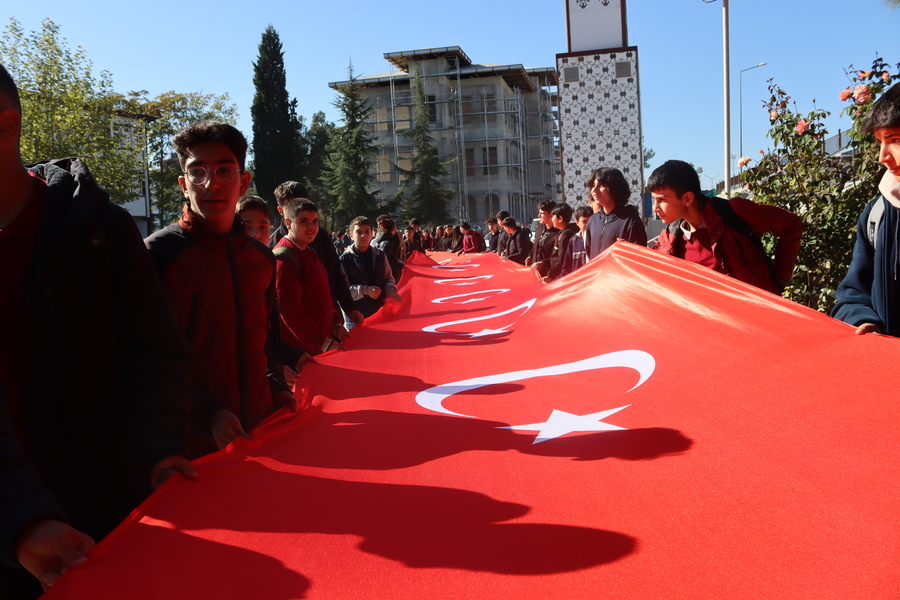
[124,358]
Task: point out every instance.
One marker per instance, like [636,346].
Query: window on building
[432,108]
[491,205]
[404,161]
[382,119]
[383,168]
[470,162]
[489,160]
[471,208]
[401,114]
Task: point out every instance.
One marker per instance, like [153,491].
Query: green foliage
[350,152]
[173,112]
[67,111]
[279,149]
[827,192]
[318,135]
[428,199]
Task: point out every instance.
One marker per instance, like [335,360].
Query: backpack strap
[737,223]
[874,221]
[288,253]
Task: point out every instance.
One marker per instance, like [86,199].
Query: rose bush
[827,191]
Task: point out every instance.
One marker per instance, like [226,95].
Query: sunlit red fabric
[757,457]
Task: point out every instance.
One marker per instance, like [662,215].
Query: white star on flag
[560,423]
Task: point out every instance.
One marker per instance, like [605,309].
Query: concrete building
[496,123]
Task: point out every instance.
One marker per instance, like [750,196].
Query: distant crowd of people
[123,358]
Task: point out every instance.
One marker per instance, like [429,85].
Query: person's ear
[183,184]
[688,198]
[10,125]
[245,181]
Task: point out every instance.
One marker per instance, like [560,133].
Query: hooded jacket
[222,288]
[737,255]
[870,292]
[103,371]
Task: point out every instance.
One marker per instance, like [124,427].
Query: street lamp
[741,100]
[727,96]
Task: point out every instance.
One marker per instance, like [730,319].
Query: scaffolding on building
[466,118]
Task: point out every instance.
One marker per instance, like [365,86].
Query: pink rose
[864,74]
[762,153]
[802,126]
[862,94]
[846,94]
[885,76]
[743,161]
[773,115]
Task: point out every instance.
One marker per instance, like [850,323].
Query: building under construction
[496,126]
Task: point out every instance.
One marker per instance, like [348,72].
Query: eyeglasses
[224,174]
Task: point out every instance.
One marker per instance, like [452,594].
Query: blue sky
[210,48]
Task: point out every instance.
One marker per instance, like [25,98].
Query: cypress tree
[351,151]
[277,132]
[428,199]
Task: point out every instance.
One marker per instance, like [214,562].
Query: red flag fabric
[643,428]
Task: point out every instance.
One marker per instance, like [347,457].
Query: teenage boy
[254,214]
[869,295]
[494,230]
[614,219]
[722,234]
[518,247]
[286,193]
[95,375]
[576,255]
[545,239]
[310,319]
[221,283]
[560,218]
[503,237]
[368,270]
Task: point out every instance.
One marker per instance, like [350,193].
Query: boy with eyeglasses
[221,283]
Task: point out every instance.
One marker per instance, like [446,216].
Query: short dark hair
[679,176]
[465,226]
[9,90]
[614,180]
[202,132]
[251,202]
[299,205]
[885,112]
[547,205]
[492,220]
[360,221]
[414,222]
[563,210]
[502,215]
[583,211]
[386,223]
[289,190]
[509,222]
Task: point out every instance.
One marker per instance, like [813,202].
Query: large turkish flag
[643,428]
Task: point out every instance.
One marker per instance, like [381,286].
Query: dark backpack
[737,223]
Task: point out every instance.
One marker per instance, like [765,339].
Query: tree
[350,152]
[278,146]
[173,112]
[67,111]
[428,199]
[317,136]
[827,191]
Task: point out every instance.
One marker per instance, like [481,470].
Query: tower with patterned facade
[599,99]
